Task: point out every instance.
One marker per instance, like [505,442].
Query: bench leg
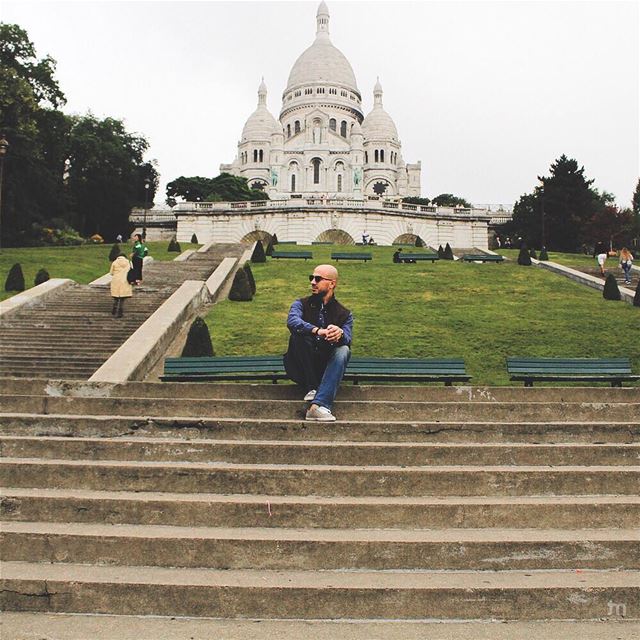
[616,383]
[528,383]
[447,383]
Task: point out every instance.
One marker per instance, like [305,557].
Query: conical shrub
[41,276]
[241,289]
[274,240]
[269,249]
[252,280]
[419,242]
[448,253]
[524,259]
[174,245]
[194,239]
[441,252]
[15,279]
[258,254]
[636,298]
[533,254]
[543,254]
[198,344]
[115,252]
[611,290]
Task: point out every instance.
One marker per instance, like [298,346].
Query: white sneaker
[319,414]
[310,395]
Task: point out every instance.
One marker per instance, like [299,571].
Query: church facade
[322,144]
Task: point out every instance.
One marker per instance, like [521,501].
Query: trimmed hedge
[448,253]
[198,344]
[241,288]
[115,252]
[41,276]
[174,245]
[636,298]
[524,258]
[258,254]
[543,254]
[15,279]
[611,290]
[194,239]
[252,280]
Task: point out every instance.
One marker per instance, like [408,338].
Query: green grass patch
[480,312]
[82,263]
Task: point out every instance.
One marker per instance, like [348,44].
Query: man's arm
[339,335]
[296,324]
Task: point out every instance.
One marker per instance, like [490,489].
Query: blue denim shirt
[297,325]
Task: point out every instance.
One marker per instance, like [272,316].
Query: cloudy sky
[486,94]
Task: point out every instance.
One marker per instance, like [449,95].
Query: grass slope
[480,312]
[82,263]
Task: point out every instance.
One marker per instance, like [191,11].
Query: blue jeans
[627,272]
[315,364]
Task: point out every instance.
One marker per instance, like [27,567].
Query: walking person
[626,262]
[120,287]
[319,344]
[137,256]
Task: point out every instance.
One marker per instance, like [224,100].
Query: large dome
[322,62]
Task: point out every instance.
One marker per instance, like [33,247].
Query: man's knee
[342,354]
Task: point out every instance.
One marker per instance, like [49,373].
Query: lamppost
[147,184]
[541,213]
[4,147]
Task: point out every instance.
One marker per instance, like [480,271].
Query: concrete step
[47,423]
[222,477]
[388,411]
[509,595]
[36,626]
[317,452]
[351,512]
[320,549]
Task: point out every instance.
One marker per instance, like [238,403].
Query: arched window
[316,170]
[260,155]
[366,157]
[255,155]
[343,129]
[296,126]
[339,183]
[376,155]
[288,131]
[381,155]
[293,183]
[332,124]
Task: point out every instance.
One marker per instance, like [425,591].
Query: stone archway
[406,238]
[337,236]
[263,236]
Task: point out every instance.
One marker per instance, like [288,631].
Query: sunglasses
[319,279]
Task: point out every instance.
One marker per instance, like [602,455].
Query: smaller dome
[261,124]
[378,124]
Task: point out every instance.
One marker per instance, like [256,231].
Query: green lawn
[578,261]
[83,263]
[480,312]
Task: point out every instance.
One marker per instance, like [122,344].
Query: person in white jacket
[120,287]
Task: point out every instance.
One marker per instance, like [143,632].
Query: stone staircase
[72,334]
[420,504]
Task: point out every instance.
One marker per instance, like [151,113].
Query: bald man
[319,345]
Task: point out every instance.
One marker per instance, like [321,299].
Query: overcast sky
[486,94]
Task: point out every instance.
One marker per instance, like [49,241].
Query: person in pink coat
[120,287]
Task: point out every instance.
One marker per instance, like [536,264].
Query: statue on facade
[357,176]
[274,177]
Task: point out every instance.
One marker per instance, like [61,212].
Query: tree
[416,200]
[15,279]
[611,290]
[241,287]
[449,200]
[223,188]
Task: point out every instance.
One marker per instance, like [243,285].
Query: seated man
[319,344]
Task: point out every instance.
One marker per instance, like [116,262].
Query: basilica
[322,145]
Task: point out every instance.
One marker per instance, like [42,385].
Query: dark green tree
[611,290]
[524,258]
[115,252]
[241,288]
[198,343]
[15,279]
[449,200]
[258,254]
[419,242]
[415,200]
[533,254]
[543,254]
[440,252]
[223,188]
[41,276]
[252,280]
[174,245]
[448,252]
[194,239]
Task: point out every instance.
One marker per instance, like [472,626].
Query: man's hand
[332,333]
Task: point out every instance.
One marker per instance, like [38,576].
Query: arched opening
[343,128]
[339,183]
[288,131]
[381,155]
[337,236]
[258,184]
[376,155]
[258,234]
[316,162]
[293,183]
[366,157]
[332,124]
[406,238]
[255,155]
[296,126]
[260,155]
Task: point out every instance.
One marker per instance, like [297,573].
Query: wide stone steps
[324,512]
[320,549]
[326,594]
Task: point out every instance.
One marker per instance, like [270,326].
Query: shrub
[96,238]
[419,242]
[524,258]
[15,279]
[533,254]
[611,290]
[543,254]
[441,252]
[241,288]
[194,239]
[269,249]
[636,298]
[448,253]
[198,344]
[252,280]
[41,276]
[274,239]
[258,254]
[174,245]
[115,252]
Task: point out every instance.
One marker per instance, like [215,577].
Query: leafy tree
[449,200]
[198,343]
[416,200]
[15,279]
[611,290]
[223,188]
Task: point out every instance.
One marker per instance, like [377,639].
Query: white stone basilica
[322,144]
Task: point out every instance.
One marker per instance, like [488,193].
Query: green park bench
[287,242]
[528,370]
[292,254]
[350,256]
[272,368]
[315,242]
[481,257]
[417,257]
